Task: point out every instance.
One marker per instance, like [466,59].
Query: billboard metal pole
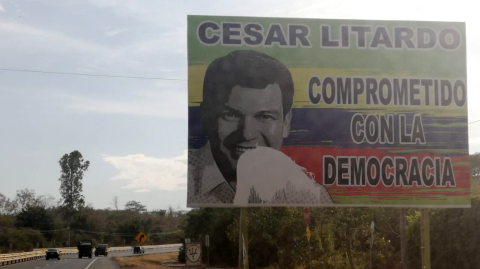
[309,255]
[306,216]
[207,243]
[425,232]
[403,238]
[243,248]
[372,229]
[240,241]
[371,249]
[68,235]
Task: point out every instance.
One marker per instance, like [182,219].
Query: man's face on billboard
[249,118]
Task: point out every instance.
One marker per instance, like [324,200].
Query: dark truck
[101,249]
[85,248]
[138,250]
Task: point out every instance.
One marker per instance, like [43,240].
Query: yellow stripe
[301,77]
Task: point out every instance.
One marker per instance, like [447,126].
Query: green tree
[36,217]
[115,202]
[160,212]
[454,237]
[129,229]
[340,236]
[135,206]
[7,206]
[475,165]
[26,198]
[218,223]
[24,239]
[72,168]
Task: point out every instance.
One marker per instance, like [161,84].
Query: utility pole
[68,235]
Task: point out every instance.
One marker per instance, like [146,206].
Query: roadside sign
[193,254]
[306,214]
[207,240]
[308,234]
[141,238]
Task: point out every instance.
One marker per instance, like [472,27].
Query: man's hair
[247,69]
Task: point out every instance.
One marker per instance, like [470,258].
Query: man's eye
[266,117]
[228,115]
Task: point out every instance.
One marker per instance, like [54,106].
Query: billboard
[314,112]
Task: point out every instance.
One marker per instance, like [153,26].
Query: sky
[134,131]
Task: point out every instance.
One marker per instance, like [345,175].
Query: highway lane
[73,262]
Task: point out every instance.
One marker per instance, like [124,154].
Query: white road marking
[91,263]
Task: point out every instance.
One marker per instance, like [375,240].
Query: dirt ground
[146,261]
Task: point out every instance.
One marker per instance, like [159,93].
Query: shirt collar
[211,177]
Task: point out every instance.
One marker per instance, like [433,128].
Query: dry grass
[146,261]
[155,260]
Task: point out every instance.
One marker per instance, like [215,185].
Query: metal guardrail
[8,259]
[14,258]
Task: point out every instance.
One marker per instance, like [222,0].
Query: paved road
[73,262]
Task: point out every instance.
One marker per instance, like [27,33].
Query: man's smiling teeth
[243,149]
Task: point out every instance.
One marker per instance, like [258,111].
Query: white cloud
[23,35]
[142,190]
[170,40]
[148,11]
[162,103]
[114,32]
[144,174]
[1,8]
[474,143]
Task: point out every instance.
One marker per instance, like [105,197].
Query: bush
[181,255]
[22,239]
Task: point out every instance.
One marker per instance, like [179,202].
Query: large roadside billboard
[313,112]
